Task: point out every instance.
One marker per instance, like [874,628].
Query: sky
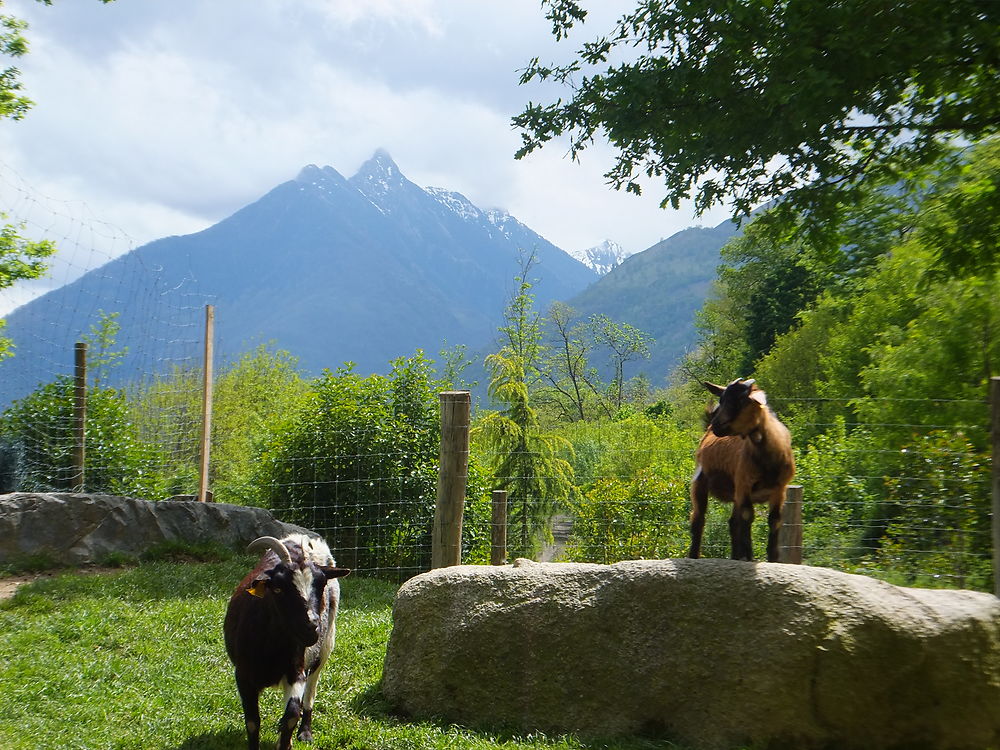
[163,117]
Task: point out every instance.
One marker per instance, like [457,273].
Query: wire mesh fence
[906,501]
[143,334]
[893,487]
[913,508]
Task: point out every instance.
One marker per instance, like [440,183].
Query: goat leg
[740,522]
[305,728]
[250,698]
[699,506]
[293,711]
[748,516]
[294,690]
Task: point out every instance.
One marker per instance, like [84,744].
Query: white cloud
[164,116]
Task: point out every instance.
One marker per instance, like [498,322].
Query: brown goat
[745,457]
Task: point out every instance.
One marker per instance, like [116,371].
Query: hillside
[659,291]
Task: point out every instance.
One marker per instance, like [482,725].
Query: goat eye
[276,589]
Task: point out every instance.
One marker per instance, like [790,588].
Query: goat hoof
[305,735]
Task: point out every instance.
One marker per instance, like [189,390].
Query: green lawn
[134,659]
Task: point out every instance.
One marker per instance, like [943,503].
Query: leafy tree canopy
[742,103]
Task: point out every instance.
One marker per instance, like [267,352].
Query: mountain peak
[378,176]
[313,175]
[379,166]
[601,258]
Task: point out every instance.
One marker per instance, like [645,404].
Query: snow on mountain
[455,202]
[601,258]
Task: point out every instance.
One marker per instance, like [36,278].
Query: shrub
[39,428]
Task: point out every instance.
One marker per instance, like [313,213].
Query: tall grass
[134,660]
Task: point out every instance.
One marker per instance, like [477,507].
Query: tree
[101,352]
[625,343]
[521,332]
[19,259]
[13,103]
[744,103]
[39,430]
[525,460]
[566,368]
[254,397]
[359,464]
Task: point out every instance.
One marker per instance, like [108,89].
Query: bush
[359,465]
[38,430]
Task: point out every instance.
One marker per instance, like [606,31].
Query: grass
[134,660]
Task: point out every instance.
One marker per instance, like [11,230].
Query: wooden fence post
[206,404]
[78,479]
[790,534]
[995,439]
[498,527]
[446,538]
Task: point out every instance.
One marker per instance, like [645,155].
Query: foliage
[625,343]
[629,519]
[843,501]
[253,397]
[572,389]
[523,459]
[19,257]
[633,476]
[962,223]
[744,103]
[359,465]
[168,414]
[939,530]
[570,381]
[101,352]
[117,460]
[13,102]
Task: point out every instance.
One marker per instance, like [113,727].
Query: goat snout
[308,633]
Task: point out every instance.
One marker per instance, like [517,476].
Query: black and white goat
[279,630]
[745,457]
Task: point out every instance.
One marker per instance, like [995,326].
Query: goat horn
[266,543]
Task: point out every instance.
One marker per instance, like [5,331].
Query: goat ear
[716,389]
[331,572]
[759,396]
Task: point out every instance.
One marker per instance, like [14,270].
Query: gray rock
[76,529]
[712,653]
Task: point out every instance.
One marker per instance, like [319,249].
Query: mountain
[659,290]
[601,258]
[332,269]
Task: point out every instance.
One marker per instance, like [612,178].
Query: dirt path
[561,528]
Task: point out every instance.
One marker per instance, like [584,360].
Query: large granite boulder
[75,529]
[712,653]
